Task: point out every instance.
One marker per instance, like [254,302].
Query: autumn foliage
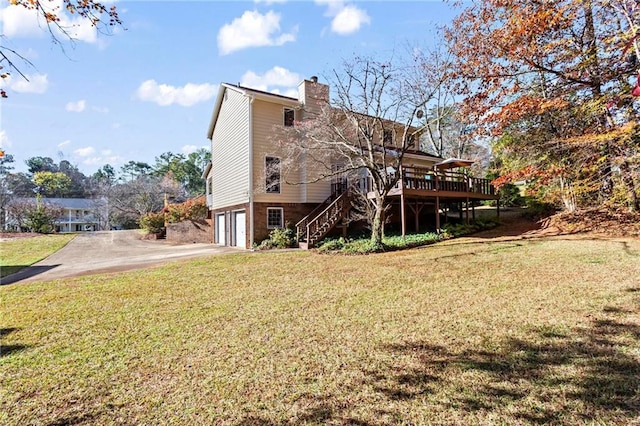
[552,83]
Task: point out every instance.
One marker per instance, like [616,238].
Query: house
[248,194]
[76,214]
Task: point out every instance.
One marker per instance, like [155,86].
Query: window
[274,217]
[289,117]
[272,175]
[387,136]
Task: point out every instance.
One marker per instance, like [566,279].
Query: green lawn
[468,331]
[18,253]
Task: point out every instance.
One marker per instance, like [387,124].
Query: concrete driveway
[110,251]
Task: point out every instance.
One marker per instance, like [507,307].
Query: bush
[153,223]
[279,238]
[538,209]
[452,230]
[510,196]
[365,246]
[192,209]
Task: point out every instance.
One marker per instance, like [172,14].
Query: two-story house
[248,193]
[75,214]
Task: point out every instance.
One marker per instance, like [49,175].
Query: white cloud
[106,157]
[84,152]
[78,106]
[19,21]
[63,144]
[347,18]
[35,83]
[276,76]
[163,94]
[253,29]
[5,143]
[270,2]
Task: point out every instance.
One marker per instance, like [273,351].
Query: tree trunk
[377,225]
[627,178]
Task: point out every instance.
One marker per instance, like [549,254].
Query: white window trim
[281,218]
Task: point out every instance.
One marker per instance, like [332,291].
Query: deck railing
[429,180]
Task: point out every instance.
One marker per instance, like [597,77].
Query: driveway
[110,251]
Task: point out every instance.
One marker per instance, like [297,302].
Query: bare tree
[363,133]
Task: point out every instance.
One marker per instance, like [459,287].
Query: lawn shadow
[586,375]
[25,272]
[6,350]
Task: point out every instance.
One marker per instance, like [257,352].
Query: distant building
[79,214]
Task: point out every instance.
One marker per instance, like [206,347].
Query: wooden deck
[428,184]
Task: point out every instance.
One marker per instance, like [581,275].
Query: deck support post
[466,205]
[437,214]
[473,210]
[402,207]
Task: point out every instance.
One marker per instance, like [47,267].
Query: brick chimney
[313,96]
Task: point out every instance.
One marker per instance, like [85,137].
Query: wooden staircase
[313,227]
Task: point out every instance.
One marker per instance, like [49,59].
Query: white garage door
[241,229]
[220,229]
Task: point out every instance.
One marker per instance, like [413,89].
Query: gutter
[251,218]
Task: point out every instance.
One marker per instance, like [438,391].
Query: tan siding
[266,115]
[230,152]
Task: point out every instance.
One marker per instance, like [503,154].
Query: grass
[18,253]
[467,331]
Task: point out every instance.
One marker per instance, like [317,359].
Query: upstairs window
[387,137]
[272,175]
[289,117]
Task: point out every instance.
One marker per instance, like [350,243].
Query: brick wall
[293,212]
[190,232]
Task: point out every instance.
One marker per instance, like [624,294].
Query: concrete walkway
[110,251]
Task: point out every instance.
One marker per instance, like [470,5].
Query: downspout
[251,218]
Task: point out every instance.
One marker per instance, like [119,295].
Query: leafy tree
[552,81]
[52,184]
[186,170]
[41,164]
[6,166]
[134,169]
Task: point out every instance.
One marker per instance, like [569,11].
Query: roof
[69,203]
[451,163]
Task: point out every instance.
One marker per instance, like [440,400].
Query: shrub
[192,209]
[153,223]
[510,196]
[279,238]
[538,209]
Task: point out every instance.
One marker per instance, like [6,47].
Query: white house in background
[246,188]
[79,214]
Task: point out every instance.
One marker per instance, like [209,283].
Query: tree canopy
[552,83]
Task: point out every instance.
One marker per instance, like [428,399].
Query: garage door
[220,229]
[241,229]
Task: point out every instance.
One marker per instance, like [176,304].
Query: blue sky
[150,87]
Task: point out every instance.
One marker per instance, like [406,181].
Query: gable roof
[250,93]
